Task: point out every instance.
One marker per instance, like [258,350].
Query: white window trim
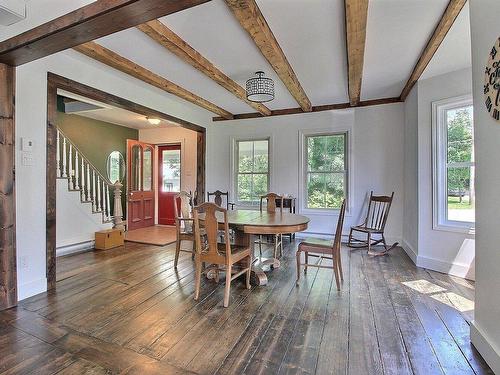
[301,203]
[439,172]
[234,174]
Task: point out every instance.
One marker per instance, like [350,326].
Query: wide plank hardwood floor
[127,311]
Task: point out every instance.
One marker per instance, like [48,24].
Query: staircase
[83,199]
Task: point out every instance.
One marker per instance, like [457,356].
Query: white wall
[444,251]
[377,151]
[188,140]
[31,118]
[410,220]
[76,223]
[485,331]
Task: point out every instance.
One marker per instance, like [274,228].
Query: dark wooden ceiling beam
[171,41]
[445,23]
[251,19]
[87,23]
[114,60]
[318,108]
[356,14]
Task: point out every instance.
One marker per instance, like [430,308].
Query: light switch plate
[26,144]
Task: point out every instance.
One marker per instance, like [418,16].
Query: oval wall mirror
[115,167]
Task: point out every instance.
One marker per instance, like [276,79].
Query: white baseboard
[75,248]
[31,288]
[485,347]
[451,268]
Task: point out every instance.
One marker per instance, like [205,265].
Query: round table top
[256,222]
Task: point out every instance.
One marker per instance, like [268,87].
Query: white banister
[64,171]
[93,195]
[58,155]
[71,172]
[77,172]
[108,207]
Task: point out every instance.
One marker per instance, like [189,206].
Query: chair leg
[197,278]
[249,272]
[194,250]
[339,264]
[383,241]
[260,248]
[228,285]
[306,260]
[177,251]
[298,267]
[369,242]
[337,281]
[349,242]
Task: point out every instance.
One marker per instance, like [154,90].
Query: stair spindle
[64,161]
[77,172]
[58,154]
[71,172]
[93,195]
[89,186]
[84,186]
[99,199]
[108,206]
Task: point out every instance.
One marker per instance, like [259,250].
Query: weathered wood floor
[128,311]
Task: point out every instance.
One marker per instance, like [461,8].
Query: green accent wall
[96,140]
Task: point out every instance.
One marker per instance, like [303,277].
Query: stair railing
[84,177]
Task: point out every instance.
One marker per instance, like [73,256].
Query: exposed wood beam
[88,23]
[114,60]
[356,14]
[449,16]
[318,108]
[8,280]
[251,19]
[171,41]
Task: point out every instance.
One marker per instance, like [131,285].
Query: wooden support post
[117,209]
[8,278]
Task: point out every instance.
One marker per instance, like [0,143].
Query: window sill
[455,229]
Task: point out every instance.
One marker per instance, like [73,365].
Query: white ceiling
[312,36]
[115,115]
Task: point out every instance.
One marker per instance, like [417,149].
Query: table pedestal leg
[258,277]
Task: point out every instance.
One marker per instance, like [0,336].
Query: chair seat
[316,245]
[360,228]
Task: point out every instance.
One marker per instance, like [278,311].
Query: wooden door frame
[55,82]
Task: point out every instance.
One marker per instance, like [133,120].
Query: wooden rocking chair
[374,224]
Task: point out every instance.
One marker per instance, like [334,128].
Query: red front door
[141,194]
[169,182]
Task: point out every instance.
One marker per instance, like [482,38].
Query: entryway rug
[155,235]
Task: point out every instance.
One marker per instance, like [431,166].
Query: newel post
[118,211]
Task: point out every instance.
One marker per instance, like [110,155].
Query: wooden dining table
[249,223]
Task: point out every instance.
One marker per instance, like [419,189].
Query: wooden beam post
[249,16]
[8,275]
[356,14]
[445,23]
[175,44]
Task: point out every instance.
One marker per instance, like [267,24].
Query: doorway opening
[169,181]
[69,163]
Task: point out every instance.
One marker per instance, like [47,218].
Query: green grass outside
[454,203]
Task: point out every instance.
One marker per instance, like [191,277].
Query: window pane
[460,135]
[334,190]
[135,178]
[325,153]
[460,196]
[171,172]
[259,186]
[244,188]
[261,156]
[316,147]
[147,173]
[315,190]
[245,156]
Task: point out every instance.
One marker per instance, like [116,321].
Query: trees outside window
[252,170]
[326,170]
[454,163]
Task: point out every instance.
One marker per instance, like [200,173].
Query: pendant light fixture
[260,89]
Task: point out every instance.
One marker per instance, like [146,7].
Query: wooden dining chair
[218,255]
[374,224]
[221,199]
[324,249]
[274,203]
[183,224]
